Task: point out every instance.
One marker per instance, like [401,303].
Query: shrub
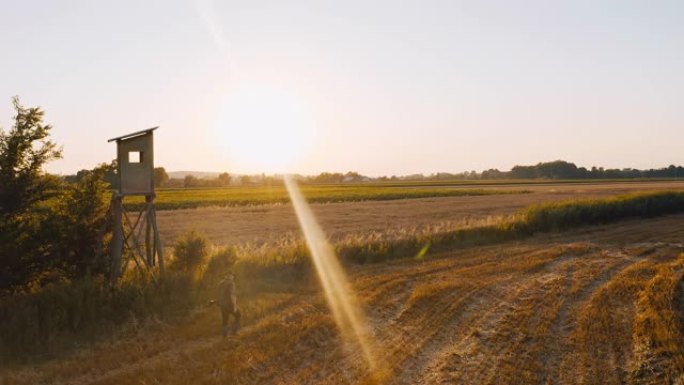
[190,252]
[564,215]
[223,259]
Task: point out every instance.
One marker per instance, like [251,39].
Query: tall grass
[547,217]
[563,215]
[60,317]
[63,316]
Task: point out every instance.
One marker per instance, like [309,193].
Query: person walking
[228,304]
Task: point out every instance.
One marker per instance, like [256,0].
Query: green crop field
[170,199]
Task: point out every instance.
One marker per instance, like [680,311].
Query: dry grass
[658,325]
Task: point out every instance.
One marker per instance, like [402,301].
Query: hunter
[227,301]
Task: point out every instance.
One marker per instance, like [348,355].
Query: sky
[379,87]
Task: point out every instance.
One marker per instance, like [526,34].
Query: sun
[264,129]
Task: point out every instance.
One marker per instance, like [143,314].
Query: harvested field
[597,305]
[270,223]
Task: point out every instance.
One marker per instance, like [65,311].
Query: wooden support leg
[157,243]
[116,247]
[149,252]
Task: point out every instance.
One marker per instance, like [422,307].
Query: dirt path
[557,309]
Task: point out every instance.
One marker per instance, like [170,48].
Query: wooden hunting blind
[135,159]
[135,167]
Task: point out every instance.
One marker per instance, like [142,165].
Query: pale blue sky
[391,87]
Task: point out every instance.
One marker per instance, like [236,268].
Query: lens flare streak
[340,297]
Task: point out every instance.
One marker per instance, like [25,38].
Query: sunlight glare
[265,129]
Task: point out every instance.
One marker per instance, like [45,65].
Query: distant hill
[196,174]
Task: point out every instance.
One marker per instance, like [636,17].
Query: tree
[47,226]
[160,177]
[24,190]
[23,152]
[109,174]
[558,169]
[190,181]
[352,176]
[327,177]
[77,229]
[223,179]
[523,172]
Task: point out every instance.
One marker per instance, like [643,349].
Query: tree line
[558,169]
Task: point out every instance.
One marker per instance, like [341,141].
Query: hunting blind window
[135,157]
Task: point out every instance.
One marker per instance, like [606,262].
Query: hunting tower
[135,167]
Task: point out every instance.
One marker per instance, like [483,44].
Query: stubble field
[271,223]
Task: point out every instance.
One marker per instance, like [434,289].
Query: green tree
[109,174]
[327,177]
[190,181]
[23,152]
[223,179]
[160,177]
[25,191]
[47,226]
[80,225]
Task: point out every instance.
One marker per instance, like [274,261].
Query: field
[236,196]
[271,223]
[170,199]
[592,305]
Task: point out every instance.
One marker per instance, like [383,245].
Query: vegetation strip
[546,217]
[170,199]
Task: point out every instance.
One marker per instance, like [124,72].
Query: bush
[223,259]
[76,233]
[190,251]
